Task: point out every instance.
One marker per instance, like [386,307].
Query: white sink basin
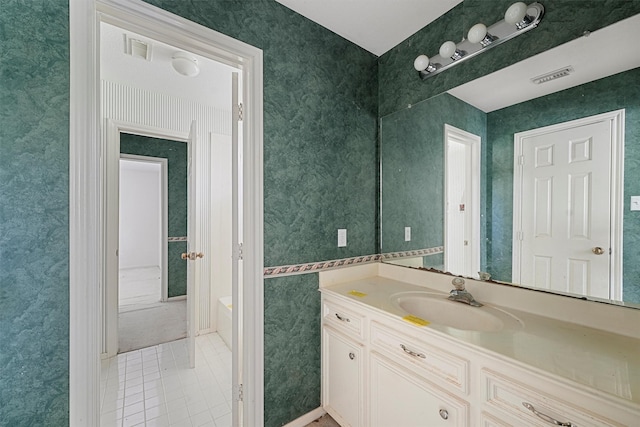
[436,308]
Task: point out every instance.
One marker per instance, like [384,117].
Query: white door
[191,255]
[236,244]
[564,239]
[462,202]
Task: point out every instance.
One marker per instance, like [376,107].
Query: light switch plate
[342,237]
[635,203]
[407,234]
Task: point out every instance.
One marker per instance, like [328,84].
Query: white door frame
[164,201]
[114,129]
[473,141]
[86,185]
[616,192]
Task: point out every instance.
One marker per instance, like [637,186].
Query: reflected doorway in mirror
[462,202]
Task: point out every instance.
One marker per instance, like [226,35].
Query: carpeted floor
[143,320]
[324,421]
[152,324]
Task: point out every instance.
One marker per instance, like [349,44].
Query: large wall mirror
[536,183]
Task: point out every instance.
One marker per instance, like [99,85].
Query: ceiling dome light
[185,64]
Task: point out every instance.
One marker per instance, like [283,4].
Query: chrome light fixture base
[496,34]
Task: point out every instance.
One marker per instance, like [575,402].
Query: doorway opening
[151,278]
[89,187]
[462,202]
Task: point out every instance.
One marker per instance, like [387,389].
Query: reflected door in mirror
[566,170]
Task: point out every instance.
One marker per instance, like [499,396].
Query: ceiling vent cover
[547,77]
[137,48]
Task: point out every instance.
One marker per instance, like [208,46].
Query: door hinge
[521,160]
[240,112]
[240,254]
[520,236]
[240,393]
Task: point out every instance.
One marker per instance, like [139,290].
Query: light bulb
[448,49]
[421,63]
[515,13]
[477,33]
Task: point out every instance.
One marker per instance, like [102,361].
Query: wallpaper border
[314,267]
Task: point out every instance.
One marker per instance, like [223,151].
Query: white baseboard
[178,298]
[307,418]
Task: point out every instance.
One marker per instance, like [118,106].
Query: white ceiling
[212,86]
[374,25]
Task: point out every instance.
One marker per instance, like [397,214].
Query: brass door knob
[191,255]
[597,250]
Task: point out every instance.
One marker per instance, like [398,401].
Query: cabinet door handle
[343,319]
[546,417]
[444,414]
[412,353]
[352,356]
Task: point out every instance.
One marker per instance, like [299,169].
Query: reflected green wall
[34,213]
[608,94]
[412,153]
[176,154]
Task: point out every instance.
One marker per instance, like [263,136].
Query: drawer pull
[444,414]
[545,417]
[352,356]
[342,319]
[412,353]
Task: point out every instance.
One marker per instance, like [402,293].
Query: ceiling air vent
[137,48]
[547,77]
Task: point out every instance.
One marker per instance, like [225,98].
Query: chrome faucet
[460,294]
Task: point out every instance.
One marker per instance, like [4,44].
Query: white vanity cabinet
[343,358]
[399,397]
[381,371]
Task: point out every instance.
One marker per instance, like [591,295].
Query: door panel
[568,172]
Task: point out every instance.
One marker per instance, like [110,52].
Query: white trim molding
[87,188]
[85,231]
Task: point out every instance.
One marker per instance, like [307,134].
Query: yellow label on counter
[357,294]
[415,320]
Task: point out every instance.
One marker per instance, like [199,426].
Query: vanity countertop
[595,358]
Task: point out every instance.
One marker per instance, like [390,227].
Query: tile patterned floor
[155,386]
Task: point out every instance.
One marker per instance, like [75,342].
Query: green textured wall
[412,156]
[176,154]
[320,163]
[294,356]
[34,213]
[608,94]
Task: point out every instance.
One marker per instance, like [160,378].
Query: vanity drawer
[508,397]
[343,319]
[439,366]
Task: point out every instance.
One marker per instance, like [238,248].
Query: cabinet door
[401,398]
[342,384]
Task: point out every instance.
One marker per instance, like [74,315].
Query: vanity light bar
[562,72]
[519,18]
